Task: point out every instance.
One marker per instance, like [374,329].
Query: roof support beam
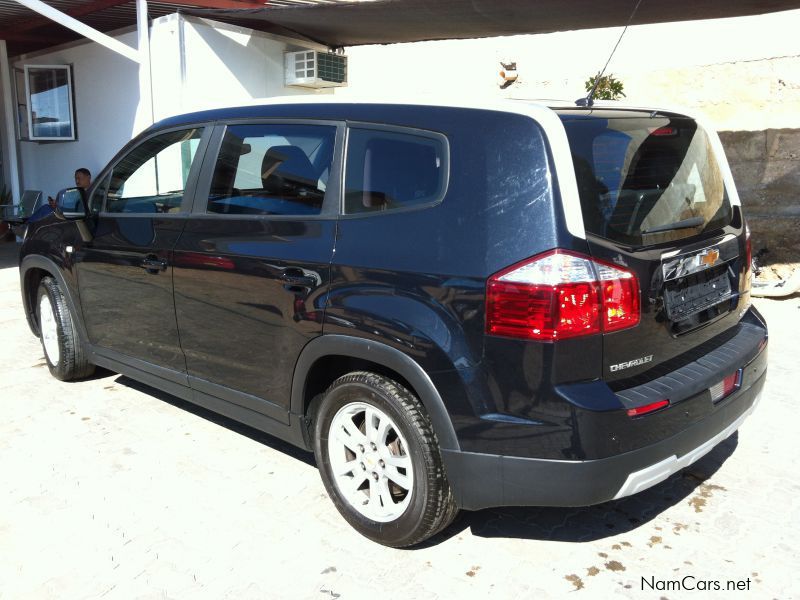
[145,73]
[81,28]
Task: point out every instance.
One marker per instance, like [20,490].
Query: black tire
[72,361]
[431,506]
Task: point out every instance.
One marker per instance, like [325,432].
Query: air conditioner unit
[310,68]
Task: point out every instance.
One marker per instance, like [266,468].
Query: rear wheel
[63,350]
[380,461]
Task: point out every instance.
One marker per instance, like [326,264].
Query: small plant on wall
[608,88]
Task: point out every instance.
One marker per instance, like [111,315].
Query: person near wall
[83,179]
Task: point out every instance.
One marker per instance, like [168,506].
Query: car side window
[152,177]
[389,170]
[272,169]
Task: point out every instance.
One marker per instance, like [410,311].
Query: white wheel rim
[370,463]
[49,330]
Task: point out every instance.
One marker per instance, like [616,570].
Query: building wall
[743,72]
[766,167]
[106,106]
[195,64]
[220,65]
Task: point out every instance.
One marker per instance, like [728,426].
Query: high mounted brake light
[561,294]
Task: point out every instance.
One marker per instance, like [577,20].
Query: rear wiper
[685,224]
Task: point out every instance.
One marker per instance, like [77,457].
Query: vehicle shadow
[581,524]
[254,434]
[586,524]
[9,255]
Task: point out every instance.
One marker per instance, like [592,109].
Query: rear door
[253,263]
[654,202]
[125,273]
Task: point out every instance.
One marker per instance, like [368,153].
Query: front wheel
[380,460]
[65,355]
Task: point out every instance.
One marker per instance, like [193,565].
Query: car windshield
[645,179]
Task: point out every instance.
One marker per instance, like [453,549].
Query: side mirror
[70,204]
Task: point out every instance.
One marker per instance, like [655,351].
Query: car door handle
[294,277]
[153,264]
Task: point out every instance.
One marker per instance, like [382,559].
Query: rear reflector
[726,387]
[561,294]
[647,408]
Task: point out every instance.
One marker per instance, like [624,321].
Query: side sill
[290,432]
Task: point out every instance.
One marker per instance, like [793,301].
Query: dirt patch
[615,565]
[575,580]
[705,492]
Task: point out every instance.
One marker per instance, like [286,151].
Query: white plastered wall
[743,72]
[106,112]
[195,64]
[219,65]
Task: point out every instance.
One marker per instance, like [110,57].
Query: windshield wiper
[685,224]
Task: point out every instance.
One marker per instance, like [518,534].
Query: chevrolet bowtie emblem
[709,257]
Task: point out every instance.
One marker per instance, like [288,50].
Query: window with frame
[272,169]
[152,177]
[46,112]
[389,170]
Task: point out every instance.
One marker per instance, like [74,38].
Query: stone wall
[766,169]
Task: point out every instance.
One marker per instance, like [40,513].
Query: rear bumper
[484,480]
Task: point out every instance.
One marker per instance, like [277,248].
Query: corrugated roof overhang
[393,21]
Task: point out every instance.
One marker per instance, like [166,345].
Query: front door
[253,264]
[125,272]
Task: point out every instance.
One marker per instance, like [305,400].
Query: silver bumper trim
[654,474]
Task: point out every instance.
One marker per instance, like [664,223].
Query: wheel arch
[327,357]
[32,270]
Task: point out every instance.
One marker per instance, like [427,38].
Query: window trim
[70,98]
[332,193]
[207,128]
[401,129]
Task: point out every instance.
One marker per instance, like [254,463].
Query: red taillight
[647,408]
[561,294]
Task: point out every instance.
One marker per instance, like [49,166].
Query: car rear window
[647,179]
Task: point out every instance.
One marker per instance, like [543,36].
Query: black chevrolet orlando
[451,306]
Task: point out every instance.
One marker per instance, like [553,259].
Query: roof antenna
[589,99]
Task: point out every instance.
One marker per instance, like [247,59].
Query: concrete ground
[111,489]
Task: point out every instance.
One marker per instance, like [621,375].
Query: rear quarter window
[394,170]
